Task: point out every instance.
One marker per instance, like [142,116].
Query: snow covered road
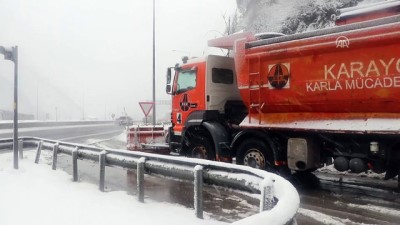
[356,200]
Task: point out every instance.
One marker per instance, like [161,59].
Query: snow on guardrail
[279,200]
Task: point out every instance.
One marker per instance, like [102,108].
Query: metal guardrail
[279,200]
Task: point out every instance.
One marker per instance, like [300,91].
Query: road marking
[99,141]
[88,135]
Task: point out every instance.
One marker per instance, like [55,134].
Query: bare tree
[231,23]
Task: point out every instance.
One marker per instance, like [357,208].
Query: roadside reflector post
[267,201]
[21,149]
[38,151]
[75,164]
[140,179]
[102,160]
[55,151]
[198,191]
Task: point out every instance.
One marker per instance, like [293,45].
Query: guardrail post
[21,149]
[102,160]
[38,151]
[140,179]
[267,201]
[198,191]
[55,151]
[75,164]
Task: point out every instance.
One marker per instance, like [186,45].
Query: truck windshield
[186,81]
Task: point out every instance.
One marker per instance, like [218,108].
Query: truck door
[221,82]
[188,94]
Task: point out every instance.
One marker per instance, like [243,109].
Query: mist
[85,59]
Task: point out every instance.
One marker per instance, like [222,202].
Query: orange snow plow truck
[297,101]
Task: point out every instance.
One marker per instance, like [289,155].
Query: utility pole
[37,101]
[12,55]
[154,63]
[83,105]
[15,141]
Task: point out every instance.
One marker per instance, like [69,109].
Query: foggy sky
[94,58]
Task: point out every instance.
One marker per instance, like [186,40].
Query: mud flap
[220,138]
[391,173]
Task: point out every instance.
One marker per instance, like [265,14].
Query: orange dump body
[347,75]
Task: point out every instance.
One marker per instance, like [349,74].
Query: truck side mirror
[168,87]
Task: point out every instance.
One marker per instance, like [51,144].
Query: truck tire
[398,181]
[202,148]
[256,154]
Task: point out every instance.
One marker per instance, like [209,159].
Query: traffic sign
[146,107]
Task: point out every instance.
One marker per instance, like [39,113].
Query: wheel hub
[254,158]
[199,152]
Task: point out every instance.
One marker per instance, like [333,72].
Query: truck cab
[202,90]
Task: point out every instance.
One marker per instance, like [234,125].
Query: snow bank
[36,195]
[323,218]
[122,137]
[288,203]
[379,209]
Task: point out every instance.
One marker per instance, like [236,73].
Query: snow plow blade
[146,138]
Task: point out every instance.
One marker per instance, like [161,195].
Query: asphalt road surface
[72,133]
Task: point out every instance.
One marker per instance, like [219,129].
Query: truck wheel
[255,153]
[398,180]
[202,148]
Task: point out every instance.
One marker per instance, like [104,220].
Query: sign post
[12,55]
[146,108]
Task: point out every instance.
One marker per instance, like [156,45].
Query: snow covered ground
[37,195]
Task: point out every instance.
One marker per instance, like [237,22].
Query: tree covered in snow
[288,16]
[314,15]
